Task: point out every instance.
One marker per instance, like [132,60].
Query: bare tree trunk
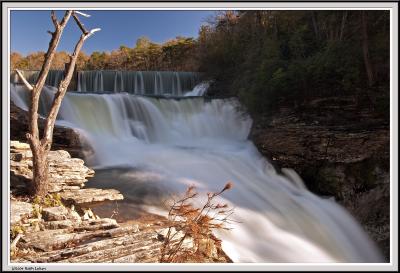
[315,25]
[39,158]
[41,146]
[367,61]
[275,26]
[40,171]
[343,25]
[258,30]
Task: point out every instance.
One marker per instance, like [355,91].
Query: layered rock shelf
[65,173]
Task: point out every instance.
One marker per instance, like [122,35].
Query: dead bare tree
[365,46]
[40,145]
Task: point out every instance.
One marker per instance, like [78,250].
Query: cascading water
[199,90]
[170,144]
[138,82]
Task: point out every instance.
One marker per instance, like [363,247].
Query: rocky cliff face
[339,150]
[63,138]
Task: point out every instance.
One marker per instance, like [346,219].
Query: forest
[272,57]
[266,58]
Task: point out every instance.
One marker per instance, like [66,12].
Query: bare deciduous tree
[365,46]
[40,145]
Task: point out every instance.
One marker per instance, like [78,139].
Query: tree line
[266,58]
[173,55]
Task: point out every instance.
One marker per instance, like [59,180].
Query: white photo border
[392,6]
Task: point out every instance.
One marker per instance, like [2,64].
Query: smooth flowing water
[169,144]
[137,82]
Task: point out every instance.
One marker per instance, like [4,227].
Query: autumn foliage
[178,54]
[195,225]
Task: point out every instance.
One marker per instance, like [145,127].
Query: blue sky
[119,27]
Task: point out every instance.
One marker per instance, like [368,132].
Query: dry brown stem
[197,224]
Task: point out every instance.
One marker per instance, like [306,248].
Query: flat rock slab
[19,210]
[90,195]
[59,213]
[105,250]
[87,225]
[49,240]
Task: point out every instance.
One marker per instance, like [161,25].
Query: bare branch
[15,241]
[65,19]
[81,13]
[80,25]
[62,89]
[33,117]
[93,31]
[21,76]
[54,19]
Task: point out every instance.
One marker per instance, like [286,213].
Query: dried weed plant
[189,236]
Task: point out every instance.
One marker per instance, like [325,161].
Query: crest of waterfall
[135,82]
[53,78]
[170,144]
[138,82]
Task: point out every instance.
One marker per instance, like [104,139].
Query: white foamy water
[199,90]
[172,144]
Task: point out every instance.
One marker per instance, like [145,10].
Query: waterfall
[53,78]
[169,144]
[134,82]
[199,90]
[138,82]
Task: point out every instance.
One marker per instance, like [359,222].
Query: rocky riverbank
[340,151]
[63,228]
